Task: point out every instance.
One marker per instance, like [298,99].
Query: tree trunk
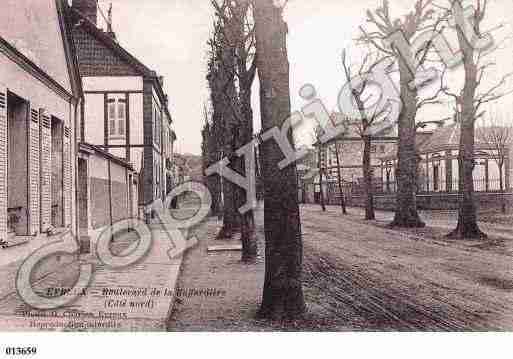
[339,175]
[467,227]
[246,78]
[227,94]
[321,192]
[367,176]
[213,182]
[248,232]
[467,217]
[283,294]
[229,212]
[406,214]
[503,199]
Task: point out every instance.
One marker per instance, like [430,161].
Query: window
[112,117]
[117,116]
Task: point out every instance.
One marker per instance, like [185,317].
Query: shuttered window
[121,117]
[117,115]
[112,117]
[46,170]
[68,177]
[34,171]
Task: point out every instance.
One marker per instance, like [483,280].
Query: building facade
[350,157]
[125,108]
[438,164]
[107,191]
[40,99]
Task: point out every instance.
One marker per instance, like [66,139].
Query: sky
[170,37]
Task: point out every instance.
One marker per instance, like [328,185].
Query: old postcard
[255,165]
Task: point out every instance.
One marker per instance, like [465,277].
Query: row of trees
[425,16]
[250,37]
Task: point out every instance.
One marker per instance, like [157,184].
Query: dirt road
[377,279]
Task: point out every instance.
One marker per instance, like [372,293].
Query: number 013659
[20,351]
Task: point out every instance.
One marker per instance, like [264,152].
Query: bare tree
[420,19]
[361,96]
[283,294]
[497,135]
[468,105]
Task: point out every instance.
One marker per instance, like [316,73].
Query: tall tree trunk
[467,217]
[248,232]
[321,191]
[283,293]
[213,182]
[246,78]
[367,177]
[339,175]
[406,214]
[231,217]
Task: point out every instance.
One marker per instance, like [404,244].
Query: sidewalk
[137,298]
[12,258]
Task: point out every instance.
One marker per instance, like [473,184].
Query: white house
[39,109]
[125,108]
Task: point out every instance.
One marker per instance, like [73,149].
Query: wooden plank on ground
[225,248]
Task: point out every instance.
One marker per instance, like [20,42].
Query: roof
[82,21]
[352,133]
[111,43]
[442,137]
[87,147]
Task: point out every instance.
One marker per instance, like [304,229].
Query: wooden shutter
[68,177]
[3,162]
[34,172]
[45,191]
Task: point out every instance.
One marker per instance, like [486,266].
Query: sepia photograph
[255,166]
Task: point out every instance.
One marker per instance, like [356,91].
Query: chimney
[88,8]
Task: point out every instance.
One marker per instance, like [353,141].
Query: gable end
[96,59]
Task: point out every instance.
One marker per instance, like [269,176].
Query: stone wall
[439,201]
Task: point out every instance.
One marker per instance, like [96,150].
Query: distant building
[125,109]
[437,177]
[438,166]
[170,175]
[351,146]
